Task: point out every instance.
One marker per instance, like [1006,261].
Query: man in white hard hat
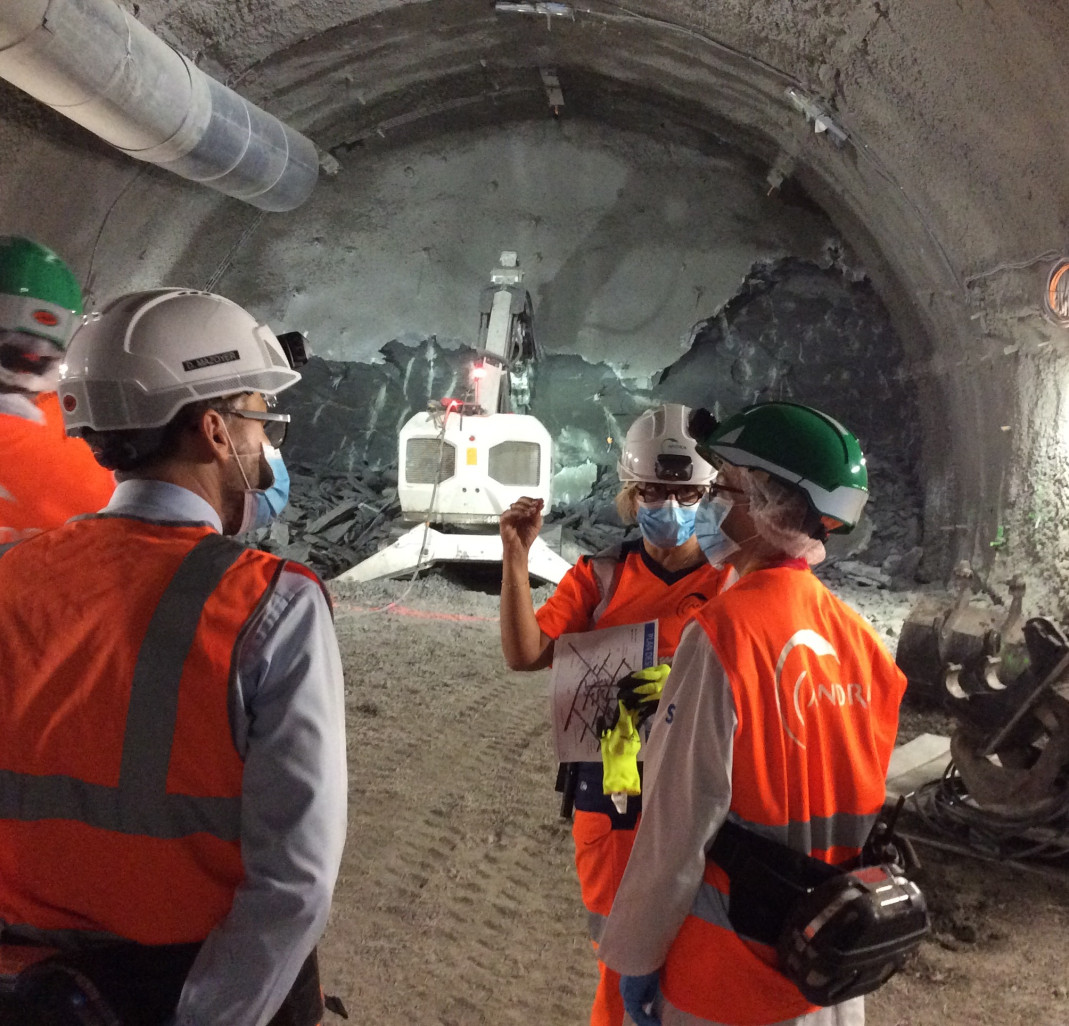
[171,716]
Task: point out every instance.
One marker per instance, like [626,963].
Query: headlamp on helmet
[660,447]
[295,346]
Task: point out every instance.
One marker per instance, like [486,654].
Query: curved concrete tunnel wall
[950,188]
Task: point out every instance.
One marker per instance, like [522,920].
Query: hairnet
[779,513]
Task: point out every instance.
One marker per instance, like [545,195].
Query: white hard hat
[659,447]
[137,362]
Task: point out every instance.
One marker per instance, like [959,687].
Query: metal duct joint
[92,62]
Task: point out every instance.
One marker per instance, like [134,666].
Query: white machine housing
[463,462]
[462,469]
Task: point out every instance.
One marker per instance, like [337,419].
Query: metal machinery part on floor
[1005,792]
[465,460]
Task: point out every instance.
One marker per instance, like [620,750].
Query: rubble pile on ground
[336,519]
[333,520]
[884,551]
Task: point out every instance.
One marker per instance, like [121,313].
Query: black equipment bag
[838,932]
[37,990]
[123,984]
[852,933]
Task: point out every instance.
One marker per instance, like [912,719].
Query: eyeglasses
[685,495]
[275,424]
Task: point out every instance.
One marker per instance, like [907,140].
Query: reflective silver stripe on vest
[140,803]
[711,906]
[841,830]
[847,830]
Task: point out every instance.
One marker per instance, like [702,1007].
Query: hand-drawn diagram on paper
[582,684]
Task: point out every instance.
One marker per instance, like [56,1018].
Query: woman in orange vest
[661,576]
[779,716]
[45,477]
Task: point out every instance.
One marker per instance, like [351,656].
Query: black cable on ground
[948,810]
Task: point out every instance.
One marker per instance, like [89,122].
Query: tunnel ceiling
[942,167]
[947,169]
[951,164]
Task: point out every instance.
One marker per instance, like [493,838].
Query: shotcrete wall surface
[1035,530]
[620,267]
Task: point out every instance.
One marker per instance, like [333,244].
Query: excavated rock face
[906,142]
[793,330]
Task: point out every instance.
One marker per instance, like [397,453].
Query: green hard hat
[39,294]
[799,446]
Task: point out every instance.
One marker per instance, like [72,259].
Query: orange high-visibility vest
[45,477]
[120,783]
[624,584]
[816,696]
[620,585]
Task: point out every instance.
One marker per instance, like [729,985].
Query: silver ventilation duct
[95,64]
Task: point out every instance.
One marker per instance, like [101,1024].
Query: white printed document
[582,684]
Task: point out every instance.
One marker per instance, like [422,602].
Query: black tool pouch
[839,933]
[37,989]
[767,880]
[108,984]
[567,778]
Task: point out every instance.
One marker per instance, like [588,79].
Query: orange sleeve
[48,404]
[569,607]
[46,478]
[94,483]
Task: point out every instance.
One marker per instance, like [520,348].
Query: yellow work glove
[620,740]
[641,690]
[619,754]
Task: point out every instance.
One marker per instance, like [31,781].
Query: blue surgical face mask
[665,524]
[263,505]
[709,530]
